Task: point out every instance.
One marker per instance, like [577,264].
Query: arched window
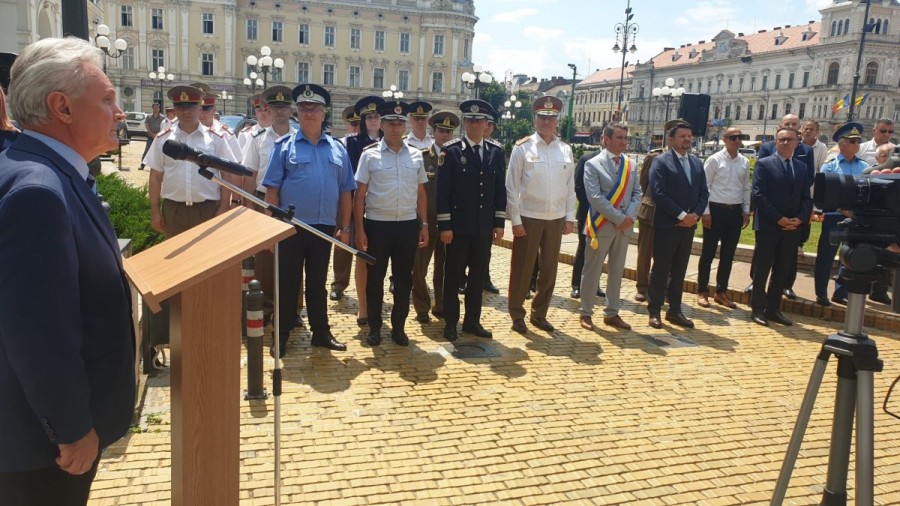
[833,28]
[884,27]
[877,28]
[871,73]
[833,71]
[846,26]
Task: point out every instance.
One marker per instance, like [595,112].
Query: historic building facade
[597,97]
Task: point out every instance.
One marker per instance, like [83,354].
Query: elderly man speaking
[66,339]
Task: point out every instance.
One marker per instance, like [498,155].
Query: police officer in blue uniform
[471,208]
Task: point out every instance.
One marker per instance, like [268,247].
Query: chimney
[761,31]
[740,34]
[702,42]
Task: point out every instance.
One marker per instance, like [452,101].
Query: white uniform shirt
[540,182]
[167,124]
[867,152]
[233,146]
[393,181]
[257,153]
[181,179]
[423,143]
[246,134]
[728,179]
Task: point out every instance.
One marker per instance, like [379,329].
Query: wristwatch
[345,229]
[424,224]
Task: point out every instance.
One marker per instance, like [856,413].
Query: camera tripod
[858,360]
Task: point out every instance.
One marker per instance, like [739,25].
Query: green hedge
[129,211]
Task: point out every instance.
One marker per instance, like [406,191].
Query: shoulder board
[405,136]
[523,140]
[494,142]
[425,150]
[257,134]
[248,126]
[370,146]
[282,138]
[164,132]
[225,128]
[217,134]
[452,142]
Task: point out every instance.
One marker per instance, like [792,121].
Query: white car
[134,123]
[748,152]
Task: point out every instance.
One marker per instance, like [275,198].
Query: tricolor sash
[596,221]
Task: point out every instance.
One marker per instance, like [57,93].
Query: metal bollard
[253,330]
[248,273]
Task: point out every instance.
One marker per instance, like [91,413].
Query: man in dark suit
[471,210]
[805,154]
[680,195]
[66,337]
[781,194]
[580,218]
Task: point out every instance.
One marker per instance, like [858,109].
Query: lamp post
[765,114]
[112,50]
[508,114]
[479,78]
[392,93]
[867,27]
[626,31]
[570,131]
[225,98]
[265,63]
[160,77]
[719,122]
[667,93]
[252,83]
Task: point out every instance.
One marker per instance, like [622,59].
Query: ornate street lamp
[112,50]
[476,80]
[625,31]
[225,97]
[571,130]
[252,83]
[160,77]
[509,108]
[666,94]
[392,93]
[265,63]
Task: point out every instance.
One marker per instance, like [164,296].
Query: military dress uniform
[471,203]
[419,110]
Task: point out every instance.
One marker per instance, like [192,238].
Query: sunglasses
[733,137]
[884,131]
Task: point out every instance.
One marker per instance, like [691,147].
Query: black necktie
[477,149]
[788,171]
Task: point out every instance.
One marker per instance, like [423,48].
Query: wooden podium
[199,272]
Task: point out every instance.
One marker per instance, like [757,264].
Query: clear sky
[541,37]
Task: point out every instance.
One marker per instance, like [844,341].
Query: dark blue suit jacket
[66,337]
[802,153]
[776,196]
[671,191]
[471,195]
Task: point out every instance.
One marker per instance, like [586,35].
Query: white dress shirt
[257,152]
[540,182]
[728,179]
[423,143]
[867,152]
[393,181]
[181,180]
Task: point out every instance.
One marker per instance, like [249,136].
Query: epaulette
[452,142]
[248,126]
[523,140]
[370,146]
[494,142]
[425,150]
[405,137]
[217,134]
[282,138]
[257,134]
[225,127]
[164,132]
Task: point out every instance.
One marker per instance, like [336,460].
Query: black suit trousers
[395,241]
[671,253]
[472,252]
[43,487]
[296,254]
[775,251]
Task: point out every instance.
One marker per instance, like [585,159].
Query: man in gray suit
[611,185]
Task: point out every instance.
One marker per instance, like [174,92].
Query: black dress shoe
[881,298]
[576,293]
[362,322]
[759,319]
[450,332]
[542,324]
[437,313]
[640,297]
[680,320]
[790,294]
[655,322]
[778,317]
[326,340]
[477,330]
[336,294]
[823,301]
[491,288]
[399,337]
[839,300]
[423,317]
[519,326]
[374,338]
[600,292]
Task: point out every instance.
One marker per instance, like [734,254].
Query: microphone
[181,151]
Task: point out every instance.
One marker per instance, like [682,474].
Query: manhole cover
[473,350]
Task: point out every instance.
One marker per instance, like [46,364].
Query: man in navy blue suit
[66,339]
[781,194]
[680,194]
[805,154]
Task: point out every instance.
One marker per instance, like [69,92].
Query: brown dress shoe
[702,300]
[723,299]
[542,324]
[680,320]
[640,297]
[655,321]
[519,326]
[617,322]
[586,323]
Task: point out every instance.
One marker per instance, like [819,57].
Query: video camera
[873,201]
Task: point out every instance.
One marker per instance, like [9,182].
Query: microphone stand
[286,215]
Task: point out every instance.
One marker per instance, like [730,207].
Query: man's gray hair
[46,66]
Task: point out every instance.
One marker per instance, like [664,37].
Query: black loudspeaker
[694,108]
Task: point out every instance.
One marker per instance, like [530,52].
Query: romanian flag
[840,104]
[860,100]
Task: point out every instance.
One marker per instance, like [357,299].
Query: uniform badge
[474,108]
[548,104]
[184,96]
[307,93]
[279,97]
[441,159]
[463,160]
[398,110]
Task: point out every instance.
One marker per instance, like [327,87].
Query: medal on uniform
[462,159]
[441,159]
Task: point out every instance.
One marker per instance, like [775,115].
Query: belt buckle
[188,203]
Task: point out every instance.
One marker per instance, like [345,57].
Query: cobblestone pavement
[646,416]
